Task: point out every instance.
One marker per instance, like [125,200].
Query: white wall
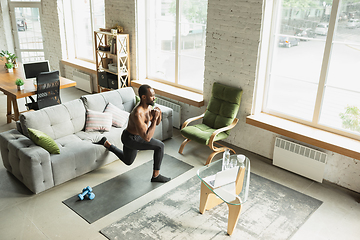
[232,45]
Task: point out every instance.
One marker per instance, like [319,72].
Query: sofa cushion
[123,98]
[56,121]
[98,121]
[44,141]
[79,155]
[119,117]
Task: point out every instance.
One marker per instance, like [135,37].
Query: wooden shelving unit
[111,77]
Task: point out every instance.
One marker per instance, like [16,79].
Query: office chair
[48,91]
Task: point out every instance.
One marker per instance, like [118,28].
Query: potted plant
[20,84]
[13,59]
[9,66]
[10,57]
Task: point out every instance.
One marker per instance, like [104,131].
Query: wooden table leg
[12,105]
[16,109]
[234,213]
[208,199]
[8,109]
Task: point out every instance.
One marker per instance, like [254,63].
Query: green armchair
[218,119]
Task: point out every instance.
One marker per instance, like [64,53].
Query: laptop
[223,177]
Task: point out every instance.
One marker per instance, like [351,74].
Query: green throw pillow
[44,141]
[137,99]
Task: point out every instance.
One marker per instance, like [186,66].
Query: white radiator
[299,159]
[83,81]
[176,111]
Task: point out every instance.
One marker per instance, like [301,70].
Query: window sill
[178,94]
[330,141]
[81,65]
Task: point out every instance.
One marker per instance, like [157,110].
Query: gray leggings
[133,143]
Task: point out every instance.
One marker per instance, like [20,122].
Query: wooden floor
[43,216]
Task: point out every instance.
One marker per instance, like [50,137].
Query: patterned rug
[272,211]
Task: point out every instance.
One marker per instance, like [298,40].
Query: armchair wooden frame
[211,143]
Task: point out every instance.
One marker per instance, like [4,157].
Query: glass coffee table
[230,186]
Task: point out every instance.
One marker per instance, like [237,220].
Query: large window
[82,18]
[313,72]
[175,42]
[26,23]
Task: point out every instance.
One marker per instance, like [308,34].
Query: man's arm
[159,119]
[144,131]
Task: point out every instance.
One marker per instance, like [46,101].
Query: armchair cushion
[201,133]
[223,106]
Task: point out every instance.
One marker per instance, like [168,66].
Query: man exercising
[139,132]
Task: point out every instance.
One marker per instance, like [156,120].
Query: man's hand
[156,113]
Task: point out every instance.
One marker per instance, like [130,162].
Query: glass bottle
[226,160]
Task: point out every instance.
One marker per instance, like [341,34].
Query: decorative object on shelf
[119,28]
[105,29]
[113,67]
[104,48]
[113,46]
[10,58]
[105,62]
[20,84]
[123,69]
[9,66]
[114,31]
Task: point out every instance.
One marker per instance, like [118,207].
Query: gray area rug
[272,211]
[120,190]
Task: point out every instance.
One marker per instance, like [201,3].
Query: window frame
[70,31]
[24,4]
[267,44]
[142,11]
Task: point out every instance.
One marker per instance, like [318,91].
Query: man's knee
[161,145]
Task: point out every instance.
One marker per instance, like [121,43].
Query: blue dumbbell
[87,192]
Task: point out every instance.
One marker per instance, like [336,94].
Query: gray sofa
[65,123]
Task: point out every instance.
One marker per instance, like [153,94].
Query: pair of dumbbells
[87,192]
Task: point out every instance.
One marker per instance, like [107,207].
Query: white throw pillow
[98,121]
[119,117]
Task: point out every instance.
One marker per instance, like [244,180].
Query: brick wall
[123,13]
[6,38]
[232,42]
[51,33]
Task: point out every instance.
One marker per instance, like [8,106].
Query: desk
[8,87]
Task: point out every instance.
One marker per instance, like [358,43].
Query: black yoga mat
[124,188]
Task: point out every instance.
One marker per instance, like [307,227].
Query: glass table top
[226,182]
